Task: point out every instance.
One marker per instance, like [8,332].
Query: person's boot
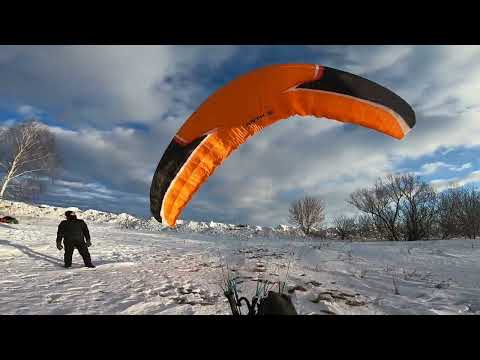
[67,266]
[90,265]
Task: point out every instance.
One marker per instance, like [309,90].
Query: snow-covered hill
[147,269]
[127,221]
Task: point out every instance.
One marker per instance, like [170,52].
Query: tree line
[400,207]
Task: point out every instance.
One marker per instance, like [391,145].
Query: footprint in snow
[28,276]
[77,288]
[6,281]
[52,297]
[178,310]
[97,284]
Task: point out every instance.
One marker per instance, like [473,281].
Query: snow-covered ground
[149,269]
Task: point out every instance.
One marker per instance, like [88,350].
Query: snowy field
[152,270]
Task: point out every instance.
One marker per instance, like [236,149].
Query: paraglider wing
[256,100]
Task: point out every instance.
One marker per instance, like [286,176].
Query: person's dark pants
[82,248]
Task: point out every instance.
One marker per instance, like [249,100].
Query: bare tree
[345,227]
[366,227]
[307,213]
[27,154]
[467,212]
[418,207]
[401,206]
[459,212]
[382,202]
[448,222]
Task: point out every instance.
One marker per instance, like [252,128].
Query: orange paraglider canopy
[256,100]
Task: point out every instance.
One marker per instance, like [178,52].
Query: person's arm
[60,234]
[86,233]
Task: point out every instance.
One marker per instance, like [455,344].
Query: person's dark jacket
[73,230]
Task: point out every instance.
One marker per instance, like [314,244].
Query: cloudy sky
[114,109]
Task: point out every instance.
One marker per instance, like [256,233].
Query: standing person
[73,231]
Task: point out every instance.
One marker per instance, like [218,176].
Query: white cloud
[431,168]
[7,123]
[95,196]
[121,157]
[443,184]
[103,84]
[29,111]
[361,59]
[462,167]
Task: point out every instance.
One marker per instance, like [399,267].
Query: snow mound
[128,221]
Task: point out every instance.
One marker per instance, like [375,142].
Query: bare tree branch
[418,208]
[27,172]
[307,213]
[27,150]
[382,204]
[345,227]
[401,206]
[459,212]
